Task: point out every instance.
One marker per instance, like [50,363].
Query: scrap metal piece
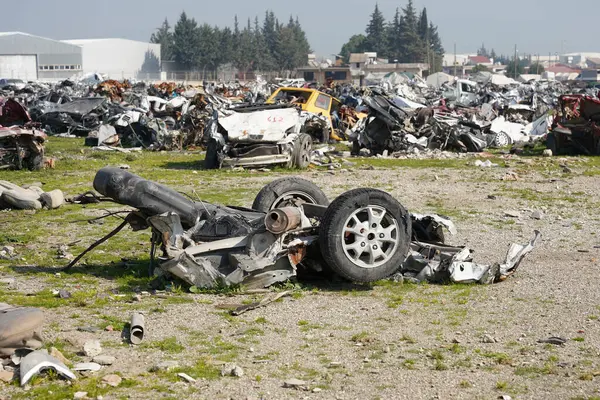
[38,361]
[21,148]
[137,328]
[515,255]
[558,341]
[263,302]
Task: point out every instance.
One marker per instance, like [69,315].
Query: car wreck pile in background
[260,123]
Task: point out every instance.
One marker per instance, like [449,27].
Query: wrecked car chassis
[363,235]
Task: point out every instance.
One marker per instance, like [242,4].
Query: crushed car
[258,136]
[363,235]
[576,126]
[21,148]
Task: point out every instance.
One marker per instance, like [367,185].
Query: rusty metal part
[297,254]
[282,220]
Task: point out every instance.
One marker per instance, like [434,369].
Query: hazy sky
[534,25]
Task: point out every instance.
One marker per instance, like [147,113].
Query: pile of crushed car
[261,124]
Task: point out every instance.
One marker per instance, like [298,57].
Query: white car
[16,84]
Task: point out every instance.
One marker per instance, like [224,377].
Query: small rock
[7,281]
[93,367]
[317,390]
[512,214]
[294,383]
[112,380]
[7,376]
[109,328]
[186,377]
[505,397]
[136,297]
[80,395]
[492,197]
[547,153]
[489,339]
[232,370]
[104,360]
[164,366]
[455,341]
[10,251]
[537,215]
[124,166]
[53,199]
[54,352]
[567,170]
[92,348]
[63,294]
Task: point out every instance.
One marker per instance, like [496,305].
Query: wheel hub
[371,236]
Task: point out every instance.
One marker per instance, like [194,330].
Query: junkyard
[264,225]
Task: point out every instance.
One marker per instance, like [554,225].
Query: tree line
[406,38]
[266,46]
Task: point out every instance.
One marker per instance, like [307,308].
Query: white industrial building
[119,58]
[29,57]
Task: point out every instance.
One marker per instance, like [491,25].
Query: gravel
[403,342]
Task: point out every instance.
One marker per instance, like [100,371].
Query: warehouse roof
[80,42]
[24,34]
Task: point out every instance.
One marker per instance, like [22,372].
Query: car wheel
[211,160]
[302,148]
[288,192]
[365,235]
[502,140]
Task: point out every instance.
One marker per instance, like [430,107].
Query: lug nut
[374,247]
[363,244]
[381,235]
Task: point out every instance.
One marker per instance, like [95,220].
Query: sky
[535,26]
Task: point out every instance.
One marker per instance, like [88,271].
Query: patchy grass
[499,358]
[168,345]
[362,337]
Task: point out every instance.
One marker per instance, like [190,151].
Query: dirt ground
[346,341]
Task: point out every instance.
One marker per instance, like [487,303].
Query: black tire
[355,148]
[551,143]
[301,156]
[334,238]
[289,191]
[211,160]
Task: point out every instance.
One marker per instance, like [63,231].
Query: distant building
[410,68]
[323,74]
[120,58]
[563,72]
[480,60]
[593,63]
[30,57]
[577,59]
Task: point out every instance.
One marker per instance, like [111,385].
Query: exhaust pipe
[282,220]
